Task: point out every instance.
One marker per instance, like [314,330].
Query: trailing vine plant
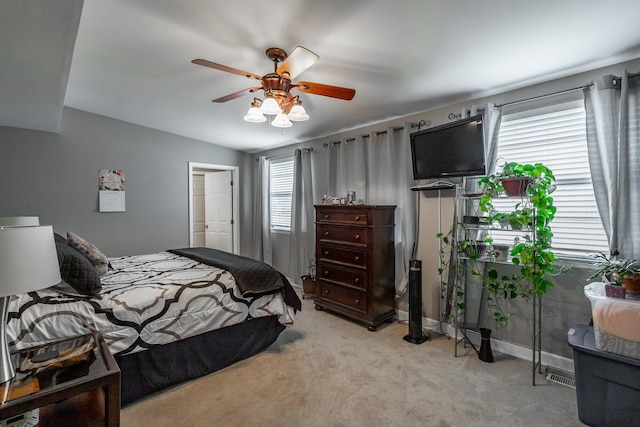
[532,252]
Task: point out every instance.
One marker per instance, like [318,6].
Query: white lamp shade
[270,106]
[19,221]
[254,115]
[298,113]
[281,121]
[28,259]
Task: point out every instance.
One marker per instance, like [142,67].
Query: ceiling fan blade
[326,90]
[300,59]
[220,67]
[237,94]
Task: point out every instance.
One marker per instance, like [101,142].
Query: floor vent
[561,378]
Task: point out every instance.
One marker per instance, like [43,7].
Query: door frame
[235,174]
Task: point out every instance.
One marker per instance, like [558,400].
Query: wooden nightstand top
[84,370]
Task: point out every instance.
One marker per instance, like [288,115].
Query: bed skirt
[146,372]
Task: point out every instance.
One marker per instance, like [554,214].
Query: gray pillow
[77,271]
[93,254]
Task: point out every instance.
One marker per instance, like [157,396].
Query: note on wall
[111,186]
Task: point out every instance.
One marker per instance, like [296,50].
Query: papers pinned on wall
[111,187]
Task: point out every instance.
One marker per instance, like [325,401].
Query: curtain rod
[380,132]
[307,149]
[561,91]
[546,95]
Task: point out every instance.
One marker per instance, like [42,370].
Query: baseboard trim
[515,350]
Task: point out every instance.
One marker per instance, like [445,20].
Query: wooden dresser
[356,262]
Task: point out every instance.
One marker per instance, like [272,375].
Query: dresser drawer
[351,216]
[335,233]
[355,257]
[342,275]
[351,298]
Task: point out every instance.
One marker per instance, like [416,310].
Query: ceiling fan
[277,85]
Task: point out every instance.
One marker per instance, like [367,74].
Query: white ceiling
[131,59]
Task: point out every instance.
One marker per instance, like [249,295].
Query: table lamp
[28,262]
[19,221]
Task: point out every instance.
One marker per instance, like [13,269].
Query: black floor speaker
[415,335]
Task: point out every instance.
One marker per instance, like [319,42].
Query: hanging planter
[515,186]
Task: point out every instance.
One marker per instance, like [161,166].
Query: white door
[198,210]
[218,210]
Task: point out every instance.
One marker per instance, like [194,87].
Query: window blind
[558,140]
[280,193]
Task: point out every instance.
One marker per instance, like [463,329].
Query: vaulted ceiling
[131,59]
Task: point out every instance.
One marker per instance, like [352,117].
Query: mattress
[145,301]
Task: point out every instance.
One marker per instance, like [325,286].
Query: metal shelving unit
[460,280]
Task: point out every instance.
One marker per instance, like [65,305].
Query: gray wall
[54,176]
[563,306]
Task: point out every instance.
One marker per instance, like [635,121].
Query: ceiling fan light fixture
[281,121]
[254,115]
[298,113]
[270,106]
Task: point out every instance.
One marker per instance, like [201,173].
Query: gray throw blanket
[254,278]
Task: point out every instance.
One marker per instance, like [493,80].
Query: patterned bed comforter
[146,300]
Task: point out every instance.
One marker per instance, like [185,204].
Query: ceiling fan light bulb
[298,113]
[254,115]
[270,107]
[281,121]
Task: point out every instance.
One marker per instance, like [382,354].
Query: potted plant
[532,253]
[309,280]
[620,276]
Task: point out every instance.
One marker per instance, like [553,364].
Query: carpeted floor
[328,371]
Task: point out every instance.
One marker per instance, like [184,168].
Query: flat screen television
[451,150]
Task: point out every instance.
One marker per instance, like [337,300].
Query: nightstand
[78,387]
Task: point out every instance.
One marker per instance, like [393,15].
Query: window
[280,193]
[556,137]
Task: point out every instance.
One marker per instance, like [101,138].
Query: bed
[167,317]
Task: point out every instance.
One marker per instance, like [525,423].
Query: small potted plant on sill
[309,280]
[621,277]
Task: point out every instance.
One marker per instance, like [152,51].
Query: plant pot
[501,252]
[475,249]
[308,285]
[468,219]
[632,285]
[614,291]
[515,186]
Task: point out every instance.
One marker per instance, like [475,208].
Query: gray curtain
[302,242]
[377,168]
[351,168]
[613,143]
[491,119]
[262,249]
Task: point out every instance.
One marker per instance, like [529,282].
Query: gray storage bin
[607,384]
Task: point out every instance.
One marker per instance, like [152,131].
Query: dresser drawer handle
[326,253]
[357,218]
[326,233]
[326,273]
[326,291]
[357,258]
[357,301]
[326,216]
[357,280]
[357,237]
